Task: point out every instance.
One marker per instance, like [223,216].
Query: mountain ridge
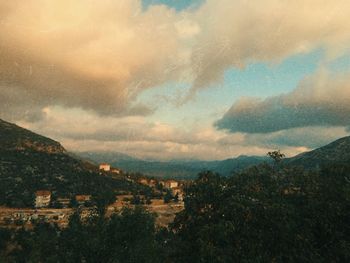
[337,151]
[174,168]
[14,137]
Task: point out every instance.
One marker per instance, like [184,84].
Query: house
[178,191]
[42,198]
[143,181]
[116,170]
[170,184]
[152,183]
[105,167]
[82,199]
[63,201]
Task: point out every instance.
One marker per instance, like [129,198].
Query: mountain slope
[30,162]
[336,152]
[13,137]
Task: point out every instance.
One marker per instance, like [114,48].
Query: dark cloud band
[320,100]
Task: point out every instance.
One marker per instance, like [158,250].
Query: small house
[82,199]
[171,184]
[143,181]
[42,198]
[116,170]
[105,167]
[63,201]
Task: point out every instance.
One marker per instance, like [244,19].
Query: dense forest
[269,213]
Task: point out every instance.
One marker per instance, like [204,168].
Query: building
[42,198]
[178,191]
[116,170]
[63,201]
[143,181]
[152,183]
[105,167]
[170,184]
[82,199]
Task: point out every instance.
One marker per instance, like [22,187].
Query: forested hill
[13,137]
[337,152]
[31,162]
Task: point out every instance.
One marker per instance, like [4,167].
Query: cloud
[77,124]
[319,100]
[74,70]
[237,33]
[93,55]
[100,55]
[308,137]
[136,136]
[85,131]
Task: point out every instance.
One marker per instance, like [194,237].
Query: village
[59,211]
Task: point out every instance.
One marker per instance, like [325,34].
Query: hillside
[30,162]
[337,152]
[15,138]
[174,168]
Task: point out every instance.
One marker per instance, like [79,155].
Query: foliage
[126,237]
[277,156]
[266,215]
[168,196]
[31,162]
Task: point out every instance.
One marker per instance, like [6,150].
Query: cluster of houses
[43,197]
[26,216]
[175,187]
[107,168]
[43,200]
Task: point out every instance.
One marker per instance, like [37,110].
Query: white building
[42,198]
[170,184]
[105,167]
[116,170]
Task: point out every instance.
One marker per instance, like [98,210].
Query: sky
[178,79]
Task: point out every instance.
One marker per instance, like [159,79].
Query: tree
[168,196]
[5,237]
[260,216]
[277,156]
[136,200]
[176,198]
[102,200]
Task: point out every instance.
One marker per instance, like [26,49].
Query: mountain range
[335,152]
[173,168]
[29,161]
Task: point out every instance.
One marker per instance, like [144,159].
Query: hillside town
[59,211]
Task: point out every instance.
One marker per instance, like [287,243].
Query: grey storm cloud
[319,100]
